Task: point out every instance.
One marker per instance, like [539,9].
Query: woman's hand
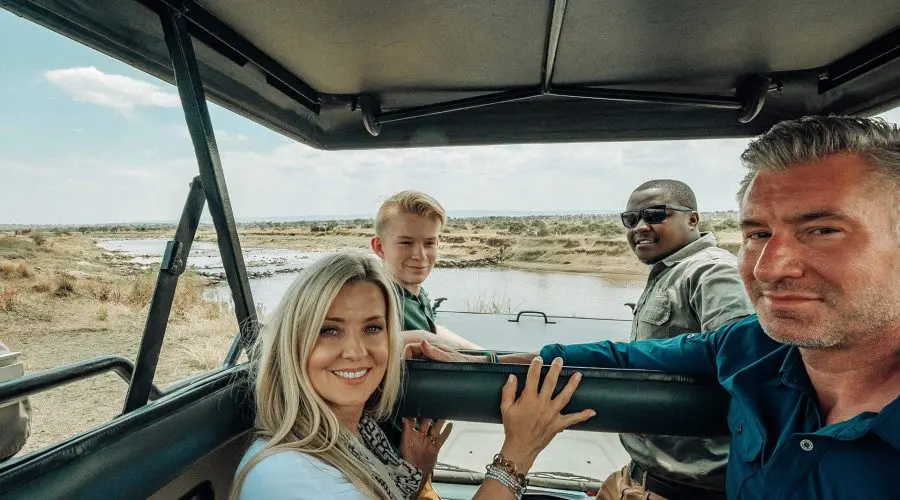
[420,446]
[533,420]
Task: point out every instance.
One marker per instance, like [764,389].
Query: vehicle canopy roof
[359,74]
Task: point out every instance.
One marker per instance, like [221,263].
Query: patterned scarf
[395,475]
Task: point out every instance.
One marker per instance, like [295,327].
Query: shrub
[516,228]
[42,287]
[64,285]
[497,242]
[725,224]
[38,238]
[731,247]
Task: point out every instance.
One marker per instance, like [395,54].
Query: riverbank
[580,244]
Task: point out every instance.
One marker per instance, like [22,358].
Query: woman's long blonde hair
[290,415]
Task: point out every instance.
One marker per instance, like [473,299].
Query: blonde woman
[329,367]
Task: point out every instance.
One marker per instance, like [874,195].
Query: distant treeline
[536,225]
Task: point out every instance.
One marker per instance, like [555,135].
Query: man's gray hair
[813,138]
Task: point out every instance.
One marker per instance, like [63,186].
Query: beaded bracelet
[510,468]
[504,471]
[506,479]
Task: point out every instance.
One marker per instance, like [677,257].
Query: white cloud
[222,136]
[291,179]
[122,93]
[226,136]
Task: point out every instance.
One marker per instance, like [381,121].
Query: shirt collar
[407,294]
[706,240]
[792,371]
[886,424]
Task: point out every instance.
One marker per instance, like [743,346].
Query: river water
[471,289]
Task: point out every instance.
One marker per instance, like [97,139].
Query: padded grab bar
[626,401]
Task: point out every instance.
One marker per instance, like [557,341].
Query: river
[467,289]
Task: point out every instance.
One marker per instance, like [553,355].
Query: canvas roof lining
[418,53]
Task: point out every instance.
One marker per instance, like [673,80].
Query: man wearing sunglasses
[693,286]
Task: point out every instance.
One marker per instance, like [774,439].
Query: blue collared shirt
[781,448]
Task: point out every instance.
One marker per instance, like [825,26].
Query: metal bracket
[748,101]
[752,93]
[173,262]
[370,111]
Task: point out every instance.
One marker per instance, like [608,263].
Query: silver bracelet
[506,479]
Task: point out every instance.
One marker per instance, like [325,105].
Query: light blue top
[291,475]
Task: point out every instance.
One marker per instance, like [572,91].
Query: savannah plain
[64,299]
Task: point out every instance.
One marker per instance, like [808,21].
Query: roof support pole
[196,113]
[554,30]
[174,262]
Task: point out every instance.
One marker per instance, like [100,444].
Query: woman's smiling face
[350,357]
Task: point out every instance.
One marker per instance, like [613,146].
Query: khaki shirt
[15,423]
[416,310]
[696,289]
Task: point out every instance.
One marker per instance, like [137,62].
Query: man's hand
[417,336]
[455,340]
[439,353]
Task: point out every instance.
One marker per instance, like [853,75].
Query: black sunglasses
[651,215]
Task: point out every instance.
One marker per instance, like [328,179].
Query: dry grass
[43,286]
[207,354]
[138,291]
[9,300]
[491,302]
[15,270]
[102,312]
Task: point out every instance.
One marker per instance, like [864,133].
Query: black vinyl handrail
[626,401]
[66,374]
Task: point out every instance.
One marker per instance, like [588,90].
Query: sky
[87,139]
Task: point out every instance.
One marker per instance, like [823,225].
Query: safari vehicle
[363,75]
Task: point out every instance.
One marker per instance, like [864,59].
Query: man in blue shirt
[815,375]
